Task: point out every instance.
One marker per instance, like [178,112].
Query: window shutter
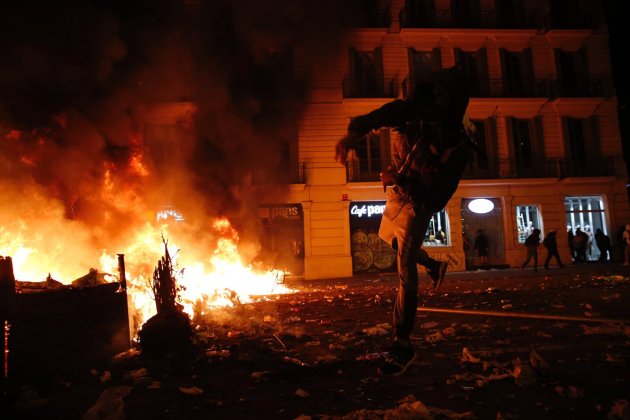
[378,67]
[592,141]
[483,78]
[505,76]
[527,73]
[581,71]
[352,77]
[538,145]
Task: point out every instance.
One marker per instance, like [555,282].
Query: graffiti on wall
[371,253]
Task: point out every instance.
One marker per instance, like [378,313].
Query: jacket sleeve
[392,114]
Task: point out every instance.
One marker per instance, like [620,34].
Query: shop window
[586,214]
[438,232]
[527,219]
[369,252]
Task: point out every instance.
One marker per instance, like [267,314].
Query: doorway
[488,221]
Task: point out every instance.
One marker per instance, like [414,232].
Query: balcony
[292,175]
[510,168]
[549,168]
[484,19]
[362,89]
[602,166]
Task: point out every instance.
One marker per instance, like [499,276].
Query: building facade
[544,104]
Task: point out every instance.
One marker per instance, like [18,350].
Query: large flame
[212,274]
[60,221]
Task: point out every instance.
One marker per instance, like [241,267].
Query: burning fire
[61,221]
[221,279]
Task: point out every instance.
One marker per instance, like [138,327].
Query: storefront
[369,252]
[585,214]
[483,217]
[283,239]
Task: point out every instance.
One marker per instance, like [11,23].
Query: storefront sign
[288,211]
[367,209]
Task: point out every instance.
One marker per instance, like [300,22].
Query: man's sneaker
[397,360]
[437,275]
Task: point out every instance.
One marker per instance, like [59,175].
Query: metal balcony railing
[447,18]
[353,88]
[599,166]
[292,175]
[548,168]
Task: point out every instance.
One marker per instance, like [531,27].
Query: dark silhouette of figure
[605,248]
[532,243]
[580,242]
[481,247]
[551,244]
[429,157]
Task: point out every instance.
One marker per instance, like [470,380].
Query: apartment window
[466,13]
[527,219]
[370,157]
[527,149]
[419,13]
[474,65]
[511,13]
[572,69]
[366,74]
[581,145]
[370,13]
[518,73]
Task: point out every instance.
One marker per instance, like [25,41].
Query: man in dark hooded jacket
[429,158]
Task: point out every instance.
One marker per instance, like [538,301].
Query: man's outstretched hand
[346,143]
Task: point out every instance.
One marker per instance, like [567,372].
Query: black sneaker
[397,360]
[437,275]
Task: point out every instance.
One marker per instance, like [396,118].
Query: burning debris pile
[170,329]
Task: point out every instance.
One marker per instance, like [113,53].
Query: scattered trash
[537,361]
[109,404]
[259,375]
[468,357]
[575,392]
[524,375]
[193,390]
[380,329]
[224,354]
[302,393]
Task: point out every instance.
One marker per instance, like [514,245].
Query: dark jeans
[532,252]
[553,253]
[409,255]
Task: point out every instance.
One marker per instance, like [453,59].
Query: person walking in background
[626,243]
[605,248]
[481,247]
[570,239]
[551,244]
[580,240]
[531,243]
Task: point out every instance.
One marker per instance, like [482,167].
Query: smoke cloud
[111,109]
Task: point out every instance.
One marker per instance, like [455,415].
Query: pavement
[509,344]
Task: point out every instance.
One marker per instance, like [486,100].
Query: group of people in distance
[580,244]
